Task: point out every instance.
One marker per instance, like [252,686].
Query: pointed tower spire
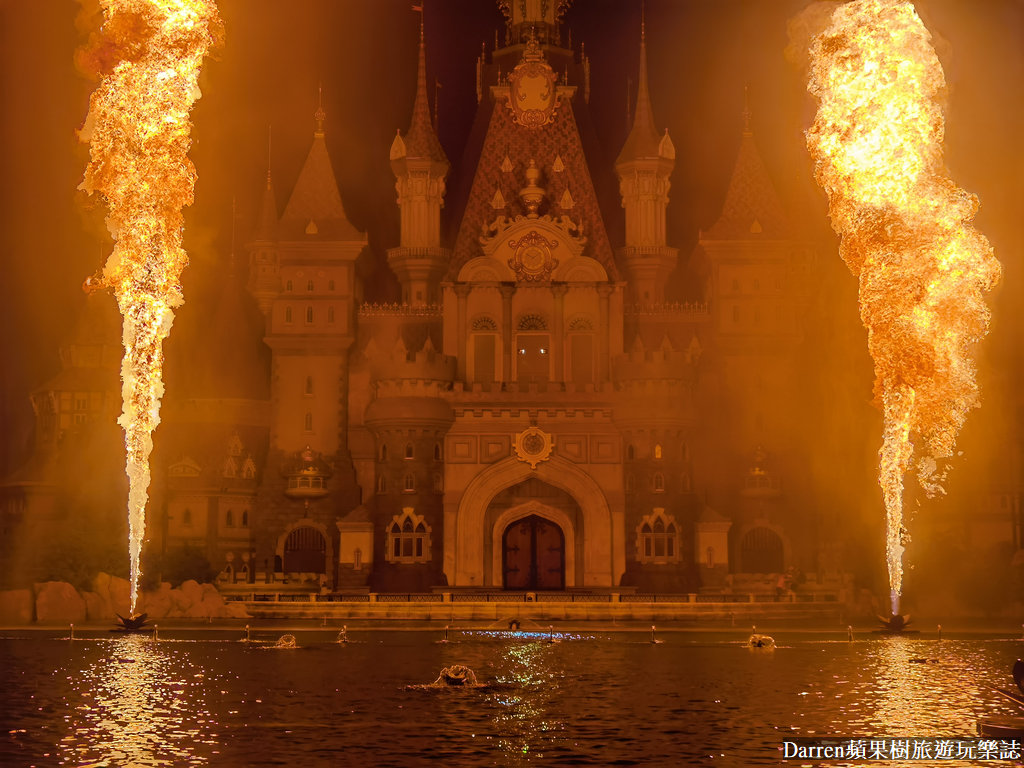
[266,228]
[320,115]
[420,139]
[643,140]
[419,260]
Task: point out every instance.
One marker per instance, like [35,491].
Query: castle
[535,414]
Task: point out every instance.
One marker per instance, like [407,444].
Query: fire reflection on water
[140,705]
[524,723]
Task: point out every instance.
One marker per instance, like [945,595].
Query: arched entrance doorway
[533,554]
[305,551]
[761,551]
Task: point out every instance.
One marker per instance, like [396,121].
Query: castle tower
[310,326]
[420,167]
[643,167]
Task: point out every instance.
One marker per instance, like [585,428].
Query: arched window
[630,452]
[657,451]
[383,451]
[309,315]
[409,451]
[287,314]
[381,484]
[288,285]
[309,385]
[408,538]
[658,482]
[309,286]
[186,517]
[658,538]
[309,422]
[245,518]
[409,484]
[229,518]
[437,451]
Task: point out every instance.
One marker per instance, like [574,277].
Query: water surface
[594,698]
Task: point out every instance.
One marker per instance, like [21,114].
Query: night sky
[702,53]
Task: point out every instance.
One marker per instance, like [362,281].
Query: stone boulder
[57,602]
[15,607]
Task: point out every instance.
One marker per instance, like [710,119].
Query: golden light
[139,133]
[905,233]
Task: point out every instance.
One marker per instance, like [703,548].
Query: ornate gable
[558,154]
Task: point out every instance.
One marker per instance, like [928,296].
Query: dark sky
[364,53]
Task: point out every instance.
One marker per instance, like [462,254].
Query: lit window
[408,538]
[657,451]
[658,538]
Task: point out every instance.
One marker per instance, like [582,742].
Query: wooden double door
[533,554]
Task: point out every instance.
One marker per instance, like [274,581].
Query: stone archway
[301,536]
[465,532]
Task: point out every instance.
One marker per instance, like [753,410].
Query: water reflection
[521,721]
[138,705]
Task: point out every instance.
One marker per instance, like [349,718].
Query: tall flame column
[139,132]
[906,234]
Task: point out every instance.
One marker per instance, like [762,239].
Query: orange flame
[139,132]
[905,232]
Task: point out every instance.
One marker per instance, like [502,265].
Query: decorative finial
[270,136]
[746,110]
[320,115]
[418,7]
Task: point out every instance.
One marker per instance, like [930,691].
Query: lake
[593,698]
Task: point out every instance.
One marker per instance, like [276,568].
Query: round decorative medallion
[533,445]
[532,260]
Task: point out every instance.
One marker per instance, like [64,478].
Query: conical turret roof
[752,206]
[266,228]
[643,140]
[315,207]
[421,141]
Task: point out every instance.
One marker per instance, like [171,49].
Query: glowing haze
[139,130]
[905,233]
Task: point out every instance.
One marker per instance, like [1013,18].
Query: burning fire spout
[906,234]
[139,131]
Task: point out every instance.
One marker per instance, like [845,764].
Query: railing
[400,310]
[533,597]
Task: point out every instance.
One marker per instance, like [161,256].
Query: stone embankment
[57,602]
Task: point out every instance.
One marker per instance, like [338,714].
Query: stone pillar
[507,291]
[461,293]
[558,341]
[604,291]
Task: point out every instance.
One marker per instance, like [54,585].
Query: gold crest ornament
[532,261]
[533,445]
[532,96]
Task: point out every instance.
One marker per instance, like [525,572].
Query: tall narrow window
[309,286]
[330,285]
[245,518]
[658,538]
[309,315]
[383,451]
[437,451]
[309,385]
[309,422]
[657,451]
[330,314]
[288,285]
[229,518]
[630,452]
[659,482]
[186,517]
[381,484]
[409,452]
[408,538]
[410,484]
[287,314]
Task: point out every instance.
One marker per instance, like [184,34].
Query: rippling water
[591,699]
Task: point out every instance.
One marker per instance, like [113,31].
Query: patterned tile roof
[558,139]
[316,199]
[752,206]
